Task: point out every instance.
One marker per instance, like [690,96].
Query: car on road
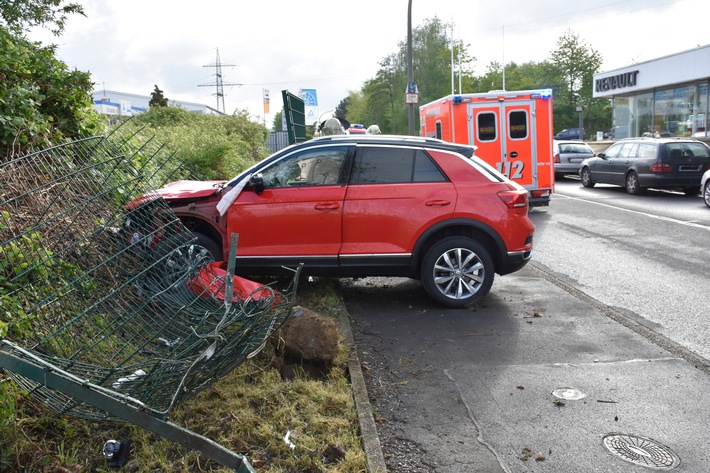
[367,205]
[640,163]
[571,134]
[705,187]
[568,156]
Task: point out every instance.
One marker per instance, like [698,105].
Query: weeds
[250,412]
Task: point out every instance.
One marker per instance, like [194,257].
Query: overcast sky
[333,47]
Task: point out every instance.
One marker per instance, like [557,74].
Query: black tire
[706,193]
[632,184]
[586,178]
[210,245]
[457,271]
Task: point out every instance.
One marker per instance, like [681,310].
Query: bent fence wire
[104,285]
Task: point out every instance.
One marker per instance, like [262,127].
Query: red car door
[299,213]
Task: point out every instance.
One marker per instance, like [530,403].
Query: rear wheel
[586,178]
[706,193]
[633,186]
[457,271]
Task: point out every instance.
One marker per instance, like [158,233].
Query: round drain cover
[641,451]
[569,394]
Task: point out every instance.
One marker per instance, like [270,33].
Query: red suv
[367,205]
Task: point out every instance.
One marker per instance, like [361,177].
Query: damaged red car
[367,205]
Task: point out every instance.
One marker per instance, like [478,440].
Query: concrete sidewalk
[537,378]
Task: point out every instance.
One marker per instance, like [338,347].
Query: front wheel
[586,178]
[457,271]
[706,193]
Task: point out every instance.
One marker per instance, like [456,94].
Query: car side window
[390,165]
[613,151]
[317,167]
[647,151]
[628,151]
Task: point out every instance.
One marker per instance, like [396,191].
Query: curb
[368,428]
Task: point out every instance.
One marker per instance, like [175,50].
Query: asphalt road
[613,308]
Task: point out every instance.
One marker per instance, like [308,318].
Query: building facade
[122,104]
[667,96]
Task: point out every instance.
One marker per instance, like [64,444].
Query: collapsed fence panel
[108,290]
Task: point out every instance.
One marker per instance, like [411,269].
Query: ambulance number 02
[507,168]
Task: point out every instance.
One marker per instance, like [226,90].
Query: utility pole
[218,83]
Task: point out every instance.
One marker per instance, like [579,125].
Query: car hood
[190,189]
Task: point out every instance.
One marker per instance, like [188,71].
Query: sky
[131,45]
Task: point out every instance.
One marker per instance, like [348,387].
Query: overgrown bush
[213,147]
[41,101]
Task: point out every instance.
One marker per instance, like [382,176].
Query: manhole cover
[569,394]
[641,451]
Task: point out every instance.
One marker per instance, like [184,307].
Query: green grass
[250,412]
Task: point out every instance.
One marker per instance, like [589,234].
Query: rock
[308,336]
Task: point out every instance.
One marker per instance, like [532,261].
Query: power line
[218,83]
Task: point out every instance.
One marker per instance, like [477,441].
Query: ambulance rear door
[505,133]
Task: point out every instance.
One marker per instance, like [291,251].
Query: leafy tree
[41,100]
[342,109]
[21,15]
[278,121]
[382,100]
[577,62]
[157,99]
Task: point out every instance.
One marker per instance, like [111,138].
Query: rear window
[575,148]
[686,150]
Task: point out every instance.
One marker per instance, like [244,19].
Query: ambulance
[511,130]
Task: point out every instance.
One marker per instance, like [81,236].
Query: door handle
[327,206]
[437,203]
[513,154]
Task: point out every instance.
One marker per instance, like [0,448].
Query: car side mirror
[601,155]
[256,182]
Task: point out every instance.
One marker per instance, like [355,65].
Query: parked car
[367,205]
[705,187]
[639,163]
[571,134]
[568,156]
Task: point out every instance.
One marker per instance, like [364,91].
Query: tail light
[556,159]
[660,167]
[514,198]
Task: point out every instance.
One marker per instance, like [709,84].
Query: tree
[278,121]
[21,15]
[157,99]
[382,100]
[342,109]
[41,100]
[577,62]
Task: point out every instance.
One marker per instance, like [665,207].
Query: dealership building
[667,96]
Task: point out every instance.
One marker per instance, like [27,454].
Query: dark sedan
[640,163]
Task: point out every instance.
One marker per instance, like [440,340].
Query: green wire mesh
[101,282]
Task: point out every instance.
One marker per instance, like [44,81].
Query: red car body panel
[288,221]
